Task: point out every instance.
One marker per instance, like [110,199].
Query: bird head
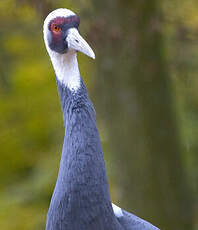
[61,33]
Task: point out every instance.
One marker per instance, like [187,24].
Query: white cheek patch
[117,211]
[66,69]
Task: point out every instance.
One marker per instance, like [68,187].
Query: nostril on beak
[76,41]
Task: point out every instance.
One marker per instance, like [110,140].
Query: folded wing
[130,221]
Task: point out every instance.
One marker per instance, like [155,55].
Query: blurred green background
[144,85]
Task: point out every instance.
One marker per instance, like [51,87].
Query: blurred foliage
[31,127]
[135,79]
[182,45]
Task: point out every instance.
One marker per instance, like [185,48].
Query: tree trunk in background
[133,97]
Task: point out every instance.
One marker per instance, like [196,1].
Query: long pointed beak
[76,42]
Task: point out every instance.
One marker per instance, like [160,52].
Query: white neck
[66,68]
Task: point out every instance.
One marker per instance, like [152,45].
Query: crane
[81,199]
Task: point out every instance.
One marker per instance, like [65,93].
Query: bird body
[81,199]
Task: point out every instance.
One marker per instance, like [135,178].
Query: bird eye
[56,28]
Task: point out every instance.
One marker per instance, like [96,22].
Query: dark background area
[144,86]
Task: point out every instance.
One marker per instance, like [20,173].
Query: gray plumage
[81,198]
